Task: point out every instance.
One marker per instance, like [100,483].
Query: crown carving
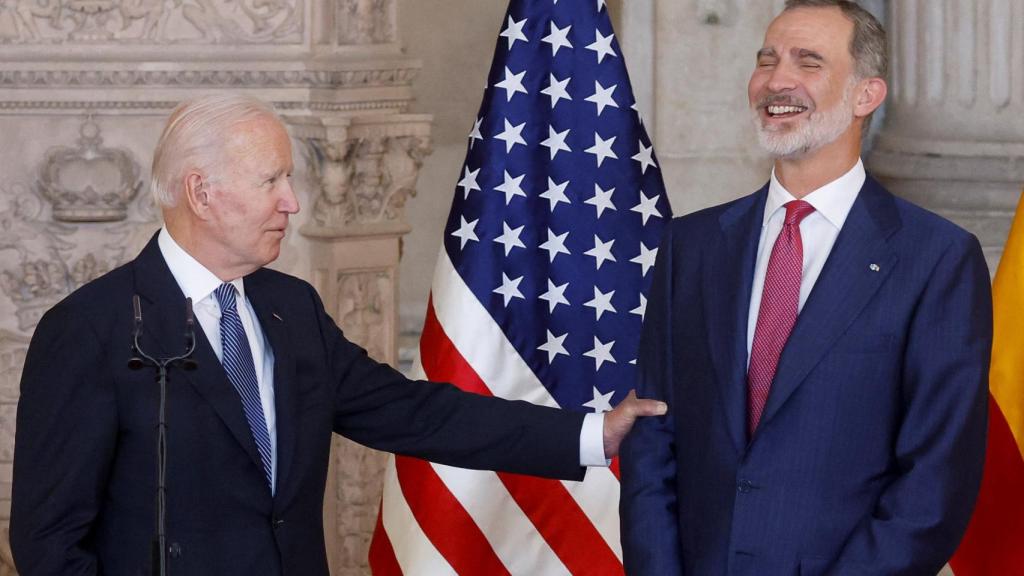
[89,182]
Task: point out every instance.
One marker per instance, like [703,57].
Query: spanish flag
[994,543]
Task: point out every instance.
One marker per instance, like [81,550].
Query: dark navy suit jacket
[869,454]
[85,453]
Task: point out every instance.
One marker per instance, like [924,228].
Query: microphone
[188,363]
[139,359]
[135,362]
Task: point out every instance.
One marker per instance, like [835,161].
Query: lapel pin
[279,319]
[874,267]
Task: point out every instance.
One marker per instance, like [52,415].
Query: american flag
[538,295]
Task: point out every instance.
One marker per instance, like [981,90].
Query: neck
[801,175]
[183,231]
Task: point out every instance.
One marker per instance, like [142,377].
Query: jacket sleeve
[64,443]
[940,450]
[377,406]
[648,503]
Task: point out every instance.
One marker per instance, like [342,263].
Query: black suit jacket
[85,455]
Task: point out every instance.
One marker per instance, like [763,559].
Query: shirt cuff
[592,441]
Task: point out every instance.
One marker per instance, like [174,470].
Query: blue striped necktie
[237,361]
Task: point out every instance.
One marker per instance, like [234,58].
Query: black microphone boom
[135,362]
[139,359]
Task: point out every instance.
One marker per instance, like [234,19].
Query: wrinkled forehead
[823,31]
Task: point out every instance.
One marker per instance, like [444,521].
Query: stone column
[953,137]
[364,171]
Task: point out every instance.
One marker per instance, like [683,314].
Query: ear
[870,94]
[197,194]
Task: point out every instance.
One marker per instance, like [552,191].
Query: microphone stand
[139,360]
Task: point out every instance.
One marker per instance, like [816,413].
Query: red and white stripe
[438,520]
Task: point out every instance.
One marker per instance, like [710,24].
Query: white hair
[194,139]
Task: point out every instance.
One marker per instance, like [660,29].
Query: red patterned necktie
[779,302]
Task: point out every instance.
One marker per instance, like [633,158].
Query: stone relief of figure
[153,14]
[372,179]
[367,21]
[402,162]
[362,305]
[29,10]
[262,12]
[336,167]
[147,20]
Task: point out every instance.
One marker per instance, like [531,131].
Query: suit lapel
[727,297]
[858,265]
[285,401]
[163,311]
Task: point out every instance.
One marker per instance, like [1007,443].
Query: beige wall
[455,39]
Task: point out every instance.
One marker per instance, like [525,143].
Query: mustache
[781,100]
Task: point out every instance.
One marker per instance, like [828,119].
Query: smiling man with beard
[823,347]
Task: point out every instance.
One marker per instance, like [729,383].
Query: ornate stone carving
[51,259]
[151,21]
[334,171]
[13,348]
[366,22]
[359,483]
[89,183]
[365,181]
[385,75]
[365,309]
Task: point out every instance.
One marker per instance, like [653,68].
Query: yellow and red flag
[994,543]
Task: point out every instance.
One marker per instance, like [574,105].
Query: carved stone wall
[85,86]
[364,171]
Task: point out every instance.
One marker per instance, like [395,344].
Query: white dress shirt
[198,283]
[818,231]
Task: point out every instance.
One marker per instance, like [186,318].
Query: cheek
[755,86]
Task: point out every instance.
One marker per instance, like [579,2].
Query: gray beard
[820,129]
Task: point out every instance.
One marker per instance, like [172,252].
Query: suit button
[174,550]
[744,486]
[277,523]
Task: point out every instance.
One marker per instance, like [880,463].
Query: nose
[289,202]
[781,78]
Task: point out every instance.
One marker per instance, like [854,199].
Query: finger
[641,407]
[650,408]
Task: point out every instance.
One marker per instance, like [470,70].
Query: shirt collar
[194,279]
[833,200]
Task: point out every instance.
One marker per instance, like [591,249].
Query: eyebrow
[801,53]
[805,53]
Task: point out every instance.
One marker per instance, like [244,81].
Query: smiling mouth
[784,111]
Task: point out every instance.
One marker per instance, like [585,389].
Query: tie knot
[796,211]
[225,294]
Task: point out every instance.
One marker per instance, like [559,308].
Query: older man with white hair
[249,430]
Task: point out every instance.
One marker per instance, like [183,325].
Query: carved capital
[364,179]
